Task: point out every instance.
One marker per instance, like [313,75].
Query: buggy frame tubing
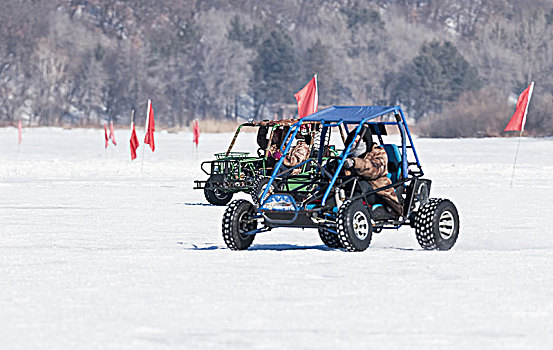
[341,163]
[234,139]
[346,151]
[303,163]
[202,167]
[411,142]
[296,127]
[404,130]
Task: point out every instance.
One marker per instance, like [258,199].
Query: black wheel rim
[244,225]
[219,194]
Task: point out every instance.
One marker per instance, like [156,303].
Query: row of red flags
[308,100]
[149,137]
[150,128]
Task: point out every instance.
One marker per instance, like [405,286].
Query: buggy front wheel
[354,226]
[437,225]
[237,222]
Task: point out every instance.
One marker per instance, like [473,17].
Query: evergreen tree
[439,74]
[274,71]
[317,62]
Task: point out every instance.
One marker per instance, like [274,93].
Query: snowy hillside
[98,252]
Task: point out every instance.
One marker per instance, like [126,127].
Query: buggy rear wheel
[330,239]
[354,226]
[215,196]
[237,221]
[437,225]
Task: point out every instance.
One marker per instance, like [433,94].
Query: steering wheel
[331,165]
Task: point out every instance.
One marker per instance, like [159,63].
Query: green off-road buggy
[340,205]
[233,172]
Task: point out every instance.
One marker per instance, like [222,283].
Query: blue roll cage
[360,118]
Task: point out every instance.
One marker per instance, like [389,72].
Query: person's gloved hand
[349,163]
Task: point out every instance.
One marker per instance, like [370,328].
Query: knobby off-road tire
[216,197]
[330,239]
[354,226]
[235,224]
[258,187]
[437,224]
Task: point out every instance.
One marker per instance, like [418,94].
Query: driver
[370,161]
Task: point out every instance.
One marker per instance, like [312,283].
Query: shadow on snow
[273,247]
[200,204]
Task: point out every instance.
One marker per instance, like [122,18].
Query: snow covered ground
[98,252]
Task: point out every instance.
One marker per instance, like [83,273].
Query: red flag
[19,128]
[519,118]
[106,135]
[196,133]
[308,98]
[134,142]
[111,133]
[151,126]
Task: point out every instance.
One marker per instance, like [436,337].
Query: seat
[394,162]
[394,168]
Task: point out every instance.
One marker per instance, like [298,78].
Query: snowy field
[98,252]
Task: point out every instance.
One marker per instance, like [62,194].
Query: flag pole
[521,131]
[132,125]
[194,138]
[19,128]
[106,142]
[316,100]
[145,130]
[516,156]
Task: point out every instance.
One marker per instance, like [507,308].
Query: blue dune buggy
[337,204]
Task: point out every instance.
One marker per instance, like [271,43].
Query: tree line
[455,66]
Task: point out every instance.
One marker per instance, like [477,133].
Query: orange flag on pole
[150,127]
[519,118]
[134,142]
[308,98]
[106,135]
[196,133]
[19,128]
[111,133]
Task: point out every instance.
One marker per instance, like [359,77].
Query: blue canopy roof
[348,114]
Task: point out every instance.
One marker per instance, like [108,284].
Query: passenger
[297,155]
[371,163]
[262,136]
[273,152]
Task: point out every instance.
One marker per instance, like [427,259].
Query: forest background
[455,66]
